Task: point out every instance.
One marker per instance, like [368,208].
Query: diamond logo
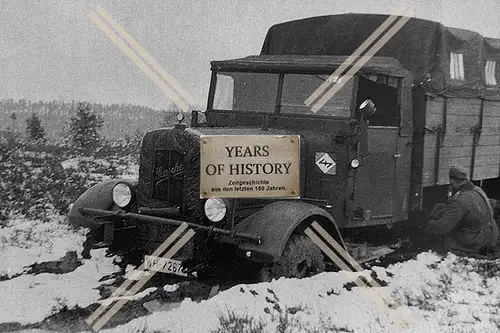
[326,164]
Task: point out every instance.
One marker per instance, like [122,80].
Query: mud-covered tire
[495,204]
[301,258]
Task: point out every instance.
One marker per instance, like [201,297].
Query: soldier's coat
[466,220]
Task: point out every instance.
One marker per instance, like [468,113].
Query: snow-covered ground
[24,242]
[441,294]
[31,298]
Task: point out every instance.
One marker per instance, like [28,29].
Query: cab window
[383,91]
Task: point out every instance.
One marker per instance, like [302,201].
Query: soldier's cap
[457,172]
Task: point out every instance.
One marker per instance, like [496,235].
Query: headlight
[354,163]
[215,209]
[122,195]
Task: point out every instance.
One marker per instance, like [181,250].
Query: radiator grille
[168,176]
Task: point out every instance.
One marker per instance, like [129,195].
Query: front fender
[276,222]
[99,196]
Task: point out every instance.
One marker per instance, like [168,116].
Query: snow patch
[72,163]
[29,299]
[170,288]
[24,242]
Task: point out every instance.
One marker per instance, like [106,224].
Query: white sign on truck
[237,166]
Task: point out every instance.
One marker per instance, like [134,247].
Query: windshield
[254,92]
[257,92]
[297,88]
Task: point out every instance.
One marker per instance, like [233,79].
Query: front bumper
[106,218]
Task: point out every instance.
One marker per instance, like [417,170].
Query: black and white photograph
[264,166]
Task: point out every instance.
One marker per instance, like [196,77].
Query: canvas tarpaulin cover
[448,61]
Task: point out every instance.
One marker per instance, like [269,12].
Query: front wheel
[301,258]
[495,204]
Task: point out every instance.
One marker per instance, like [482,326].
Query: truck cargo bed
[464,131]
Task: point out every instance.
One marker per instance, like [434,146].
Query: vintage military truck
[378,152]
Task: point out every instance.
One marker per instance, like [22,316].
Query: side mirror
[367,108]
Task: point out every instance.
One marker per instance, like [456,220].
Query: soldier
[466,220]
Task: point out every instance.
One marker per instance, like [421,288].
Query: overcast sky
[50,49]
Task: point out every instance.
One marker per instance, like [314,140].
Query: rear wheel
[300,258]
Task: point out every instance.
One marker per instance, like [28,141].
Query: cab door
[375,188]
[375,179]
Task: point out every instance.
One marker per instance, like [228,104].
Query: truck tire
[301,258]
[495,204]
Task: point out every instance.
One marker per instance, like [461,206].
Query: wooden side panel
[458,117]
[487,159]
[433,119]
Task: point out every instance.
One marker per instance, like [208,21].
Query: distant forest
[120,120]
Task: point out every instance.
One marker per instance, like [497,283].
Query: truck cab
[269,93]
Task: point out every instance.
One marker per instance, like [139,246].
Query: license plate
[169,266]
